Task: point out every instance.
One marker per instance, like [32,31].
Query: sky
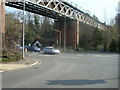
[105,10]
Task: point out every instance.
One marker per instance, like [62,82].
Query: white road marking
[47,55]
[79,55]
[33,54]
[98,55]
[38,62]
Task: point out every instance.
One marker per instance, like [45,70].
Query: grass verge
[10,55]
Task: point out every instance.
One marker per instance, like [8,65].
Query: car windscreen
[49,48]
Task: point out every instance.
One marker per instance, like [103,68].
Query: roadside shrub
[80,49]
[113,46]
[10,55]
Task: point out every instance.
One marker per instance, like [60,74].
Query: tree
[97,37]
[118,29]
[12,27]
[11,38]
[38,30]
[96,18]
[118,32]
[29,32]
[113,46]
[32,29]
[47,32]
[86,36]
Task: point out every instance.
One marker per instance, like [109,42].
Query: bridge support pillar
[72,32]
[2,16]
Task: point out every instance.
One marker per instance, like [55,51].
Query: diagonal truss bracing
[56,9]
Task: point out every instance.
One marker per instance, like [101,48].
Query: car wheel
[51,52]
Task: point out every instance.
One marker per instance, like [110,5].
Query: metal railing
[68,1]
[77,6]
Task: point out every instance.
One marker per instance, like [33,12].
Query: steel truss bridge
[68,17]
[56,9]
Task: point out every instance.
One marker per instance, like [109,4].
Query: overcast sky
[101,8]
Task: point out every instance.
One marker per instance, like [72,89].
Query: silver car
[51,50]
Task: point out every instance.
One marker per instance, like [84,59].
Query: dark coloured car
[33,48]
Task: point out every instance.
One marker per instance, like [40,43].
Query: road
[67,70]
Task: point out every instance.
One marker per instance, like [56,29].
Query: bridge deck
[57,10]
[34,8]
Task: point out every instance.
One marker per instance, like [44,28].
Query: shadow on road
[75,82]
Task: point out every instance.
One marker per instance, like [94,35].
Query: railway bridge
[67,17]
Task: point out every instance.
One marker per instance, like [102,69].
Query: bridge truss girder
[70,11]
[56,9]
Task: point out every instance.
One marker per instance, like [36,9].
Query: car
[26,47]
[50,50]
[33,48]
[18,47]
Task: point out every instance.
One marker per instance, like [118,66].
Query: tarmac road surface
[66,70]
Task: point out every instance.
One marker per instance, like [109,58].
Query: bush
[80,49]
[113,46]
[10,55]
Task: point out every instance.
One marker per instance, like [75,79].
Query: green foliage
[11,58]
[47,32]
[91,38]
[9,55]
[36,21]
[29,35]
[96,18]
[97,37]
[80,49]
[40,31]
[41,28]
[85,36]
[10,38]
[12,33]
[32,30]
[113,46]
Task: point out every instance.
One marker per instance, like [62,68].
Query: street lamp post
[59,36]
[64,33]
[23,28]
